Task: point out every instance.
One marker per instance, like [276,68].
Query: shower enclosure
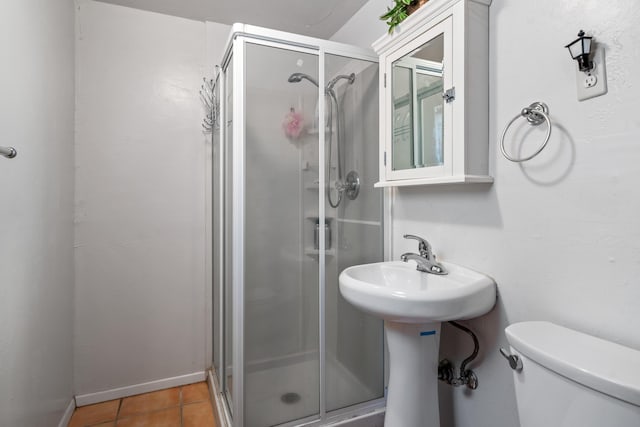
[295,151]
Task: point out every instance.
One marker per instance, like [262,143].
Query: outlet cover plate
[593,83]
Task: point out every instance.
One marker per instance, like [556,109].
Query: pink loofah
[293,124]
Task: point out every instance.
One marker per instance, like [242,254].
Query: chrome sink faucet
[426,260]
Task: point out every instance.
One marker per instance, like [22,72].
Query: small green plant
[399,12]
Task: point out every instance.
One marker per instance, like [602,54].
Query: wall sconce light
[580,50]
[591,78]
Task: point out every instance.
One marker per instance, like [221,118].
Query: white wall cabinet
[434,88]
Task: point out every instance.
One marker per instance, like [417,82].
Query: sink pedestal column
[412,396]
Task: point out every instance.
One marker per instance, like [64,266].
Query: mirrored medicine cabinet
[434,96]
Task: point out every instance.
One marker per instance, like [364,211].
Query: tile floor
[186,406]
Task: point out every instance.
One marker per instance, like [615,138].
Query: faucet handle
[405,257]
[423,245]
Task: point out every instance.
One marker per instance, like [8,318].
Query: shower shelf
[314,217]
[316,252]
[313,186]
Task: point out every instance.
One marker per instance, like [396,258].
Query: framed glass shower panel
[354,344]
[228,254]
[217,238]
[281,258]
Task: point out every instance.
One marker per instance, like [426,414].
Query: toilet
[571,379]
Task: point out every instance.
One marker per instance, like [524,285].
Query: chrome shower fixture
[297,78]
[351,78]
[351,186]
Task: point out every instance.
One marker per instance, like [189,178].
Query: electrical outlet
[594,82]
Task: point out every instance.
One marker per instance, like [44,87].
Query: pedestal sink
[413,304]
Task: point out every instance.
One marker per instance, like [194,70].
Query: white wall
[365,26]
[36,212]
[140,197]
[560,234]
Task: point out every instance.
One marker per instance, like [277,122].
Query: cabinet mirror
[417,110]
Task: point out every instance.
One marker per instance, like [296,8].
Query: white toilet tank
[570,379]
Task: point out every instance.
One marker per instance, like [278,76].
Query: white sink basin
[397,292]
[413,304]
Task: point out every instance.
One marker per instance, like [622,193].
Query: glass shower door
[281,327]
[354,348]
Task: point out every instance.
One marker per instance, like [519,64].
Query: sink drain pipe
[466,376]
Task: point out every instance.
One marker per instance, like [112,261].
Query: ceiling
[316,18]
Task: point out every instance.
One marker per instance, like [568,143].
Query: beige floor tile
[198,415]
[94,414]
[150,402]
[195,393]
[164,418]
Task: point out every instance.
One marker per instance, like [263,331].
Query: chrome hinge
[384,158]
[385,79]
[449,95]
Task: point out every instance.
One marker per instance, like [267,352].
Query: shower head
[350,78]
[297,78]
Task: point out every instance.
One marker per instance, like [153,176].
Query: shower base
[268,382]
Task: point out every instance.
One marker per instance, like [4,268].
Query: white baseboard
[117,393]
[68,413]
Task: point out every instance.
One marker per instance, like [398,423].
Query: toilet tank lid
[601,365]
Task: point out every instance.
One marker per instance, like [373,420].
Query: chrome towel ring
[8,152]
[536,114]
